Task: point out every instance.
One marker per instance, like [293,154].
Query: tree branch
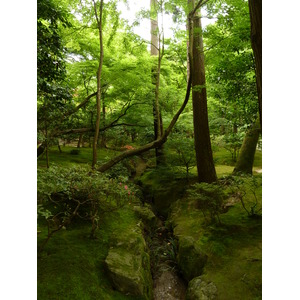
[152,145]
[199,4]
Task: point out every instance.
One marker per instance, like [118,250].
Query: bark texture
[204,157]
[255,9]
[246,158]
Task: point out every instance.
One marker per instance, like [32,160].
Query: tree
[52,93]
[156,51]
[204,158]
[246,158]
[255,9]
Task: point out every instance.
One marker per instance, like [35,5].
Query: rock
[201,290]
[191,259]
[128,266]
[147,215]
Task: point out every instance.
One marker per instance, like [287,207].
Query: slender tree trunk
[255,9]
[156,51]
[47,145]
[95,141]
[246,158]
[79,140]
[58,145]
[103,137]
[204,157]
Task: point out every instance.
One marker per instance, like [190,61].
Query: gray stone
[201,290]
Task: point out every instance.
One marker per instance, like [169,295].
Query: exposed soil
[168,286]
[167,283]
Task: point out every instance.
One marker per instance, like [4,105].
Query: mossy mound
[128,265]
[232,248]
[162,188]
[191,258]
[201,290]
[146,215]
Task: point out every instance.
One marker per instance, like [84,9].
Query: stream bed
[167,282]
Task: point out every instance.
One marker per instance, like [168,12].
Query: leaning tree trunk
[204,157]
[95,141]
[246,158]
[255,9]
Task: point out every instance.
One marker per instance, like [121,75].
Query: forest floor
[72,265]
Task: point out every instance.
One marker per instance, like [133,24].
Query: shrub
[75,151]
[209,199]
[244,188]
[65,194]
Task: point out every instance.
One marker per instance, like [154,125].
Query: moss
[72,265]
[233,249]
[67,158]
[128,263]
[198,289]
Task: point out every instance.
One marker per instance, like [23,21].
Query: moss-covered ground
[234,248]
[67,157]
[72,265]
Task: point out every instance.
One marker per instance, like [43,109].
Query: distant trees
[53,94]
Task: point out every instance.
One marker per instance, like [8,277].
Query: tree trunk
[255,9]
[246,158]
[79,140]
[156,51]
[95,141]
[47,146]
[58,145]
[103,135]
[204,157]
[41,149]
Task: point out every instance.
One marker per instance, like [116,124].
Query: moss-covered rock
[201,290]
[128,265]
[191,258]
[146,214]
